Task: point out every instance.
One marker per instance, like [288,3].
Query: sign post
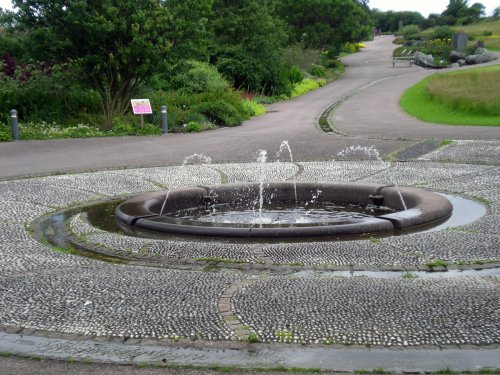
[141,107]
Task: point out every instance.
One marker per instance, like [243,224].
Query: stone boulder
[480,51]
[480,58]
[423,60]
[456,55]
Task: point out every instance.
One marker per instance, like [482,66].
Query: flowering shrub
[45,130]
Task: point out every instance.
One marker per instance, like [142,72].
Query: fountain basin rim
[424,207]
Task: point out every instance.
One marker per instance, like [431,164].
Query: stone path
[192,301]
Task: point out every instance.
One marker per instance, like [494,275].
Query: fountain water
[373,152]
[286,146]
[261,159]
[201,157]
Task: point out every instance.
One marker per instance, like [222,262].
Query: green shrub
[200,78]
[5,135]
[399,40]
[318,71]
[148,129]
[321,82]
[221,113]
[442,32]
[253,108]
[304,87]
[409,31]
[295,75]
[193,126]
[123,129]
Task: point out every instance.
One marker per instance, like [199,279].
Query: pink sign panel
[141,107]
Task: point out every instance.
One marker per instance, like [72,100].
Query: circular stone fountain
[234,210]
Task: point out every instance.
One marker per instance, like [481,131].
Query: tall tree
[248,44]
[325,24]
[456,8]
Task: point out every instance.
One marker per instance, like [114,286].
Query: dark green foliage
[389,21]
[248,45]
[226,110]
[5,135]
[48,92]
[325,24]
[442,32]
[318,71]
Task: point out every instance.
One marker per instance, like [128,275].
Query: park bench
[406,55]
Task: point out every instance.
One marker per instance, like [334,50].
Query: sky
[423,6]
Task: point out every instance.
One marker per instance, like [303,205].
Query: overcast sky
[423,6]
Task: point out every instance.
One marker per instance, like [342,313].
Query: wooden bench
[399,58]
[406,55]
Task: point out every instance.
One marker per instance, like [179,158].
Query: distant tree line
[458,12]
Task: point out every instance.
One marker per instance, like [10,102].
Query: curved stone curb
[340,359]
[227,312]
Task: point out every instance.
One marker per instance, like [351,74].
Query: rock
[461,62]
[480,51]
[480,58]
[454,65]
[423,60]
[456,55]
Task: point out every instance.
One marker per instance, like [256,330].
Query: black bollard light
[164,123]
[14,125]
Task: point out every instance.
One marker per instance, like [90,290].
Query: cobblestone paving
[372,311]
[47,290]
[452,246]
[344,253]
[251,172]
[117,301]
[467,151]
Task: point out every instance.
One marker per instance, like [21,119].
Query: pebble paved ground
[277,293]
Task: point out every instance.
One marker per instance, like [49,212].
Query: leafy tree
[325,24]
[118,44]
[476,11]
[456,9]
[248,45]
[496,12]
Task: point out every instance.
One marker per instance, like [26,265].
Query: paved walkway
[294,120]
[62,305]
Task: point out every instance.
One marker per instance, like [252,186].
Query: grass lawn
[470,98]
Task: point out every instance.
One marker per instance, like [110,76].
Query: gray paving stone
[450,245]
[339,253]
[370,311]
[467,151]
[120,301]
[341,171]
[253,172]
